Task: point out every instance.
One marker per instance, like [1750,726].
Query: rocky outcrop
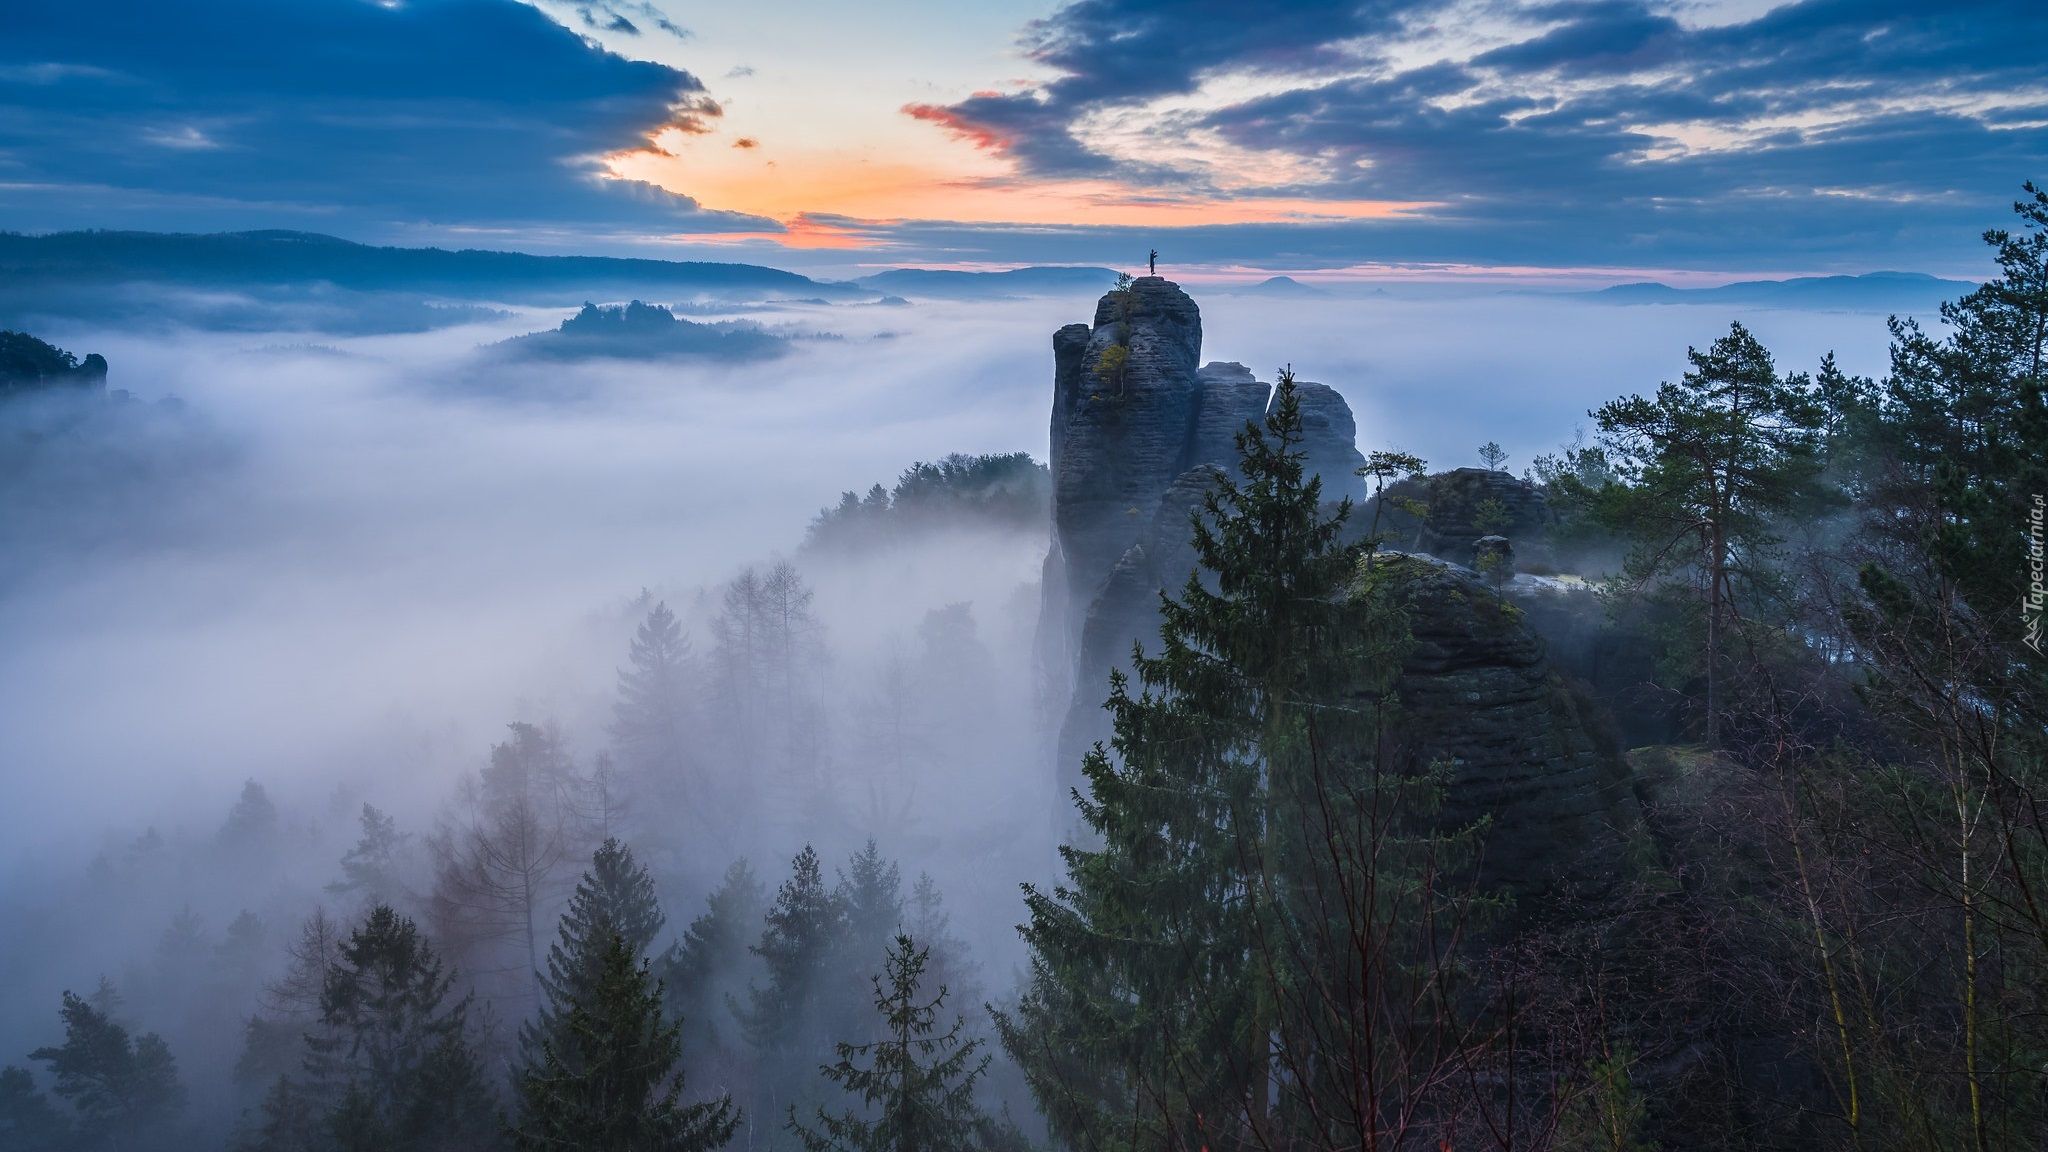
[1525,746]
[29,365]
[1133,451]
[1329,440]
[1468,503]
[1133,454]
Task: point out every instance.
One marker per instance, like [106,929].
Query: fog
[357,558]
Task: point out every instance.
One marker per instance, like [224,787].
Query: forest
[1814,605]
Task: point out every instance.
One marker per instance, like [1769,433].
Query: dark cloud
[1607,125]
[337,114]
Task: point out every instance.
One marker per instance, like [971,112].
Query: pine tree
[607,1078]
[1704,469]
[614,898]
[1258,912]
[122,1088]
[917,1085]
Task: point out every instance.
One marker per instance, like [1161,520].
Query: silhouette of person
[1152,262]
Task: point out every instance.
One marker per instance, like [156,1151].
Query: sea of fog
[394,545]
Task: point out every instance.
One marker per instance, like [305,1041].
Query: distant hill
[1877,291]
[1279,286]
[945,284]
[639,331]
[296,258]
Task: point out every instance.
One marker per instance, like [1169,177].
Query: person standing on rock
[1152,263]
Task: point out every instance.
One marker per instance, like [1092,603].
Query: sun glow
[823,196]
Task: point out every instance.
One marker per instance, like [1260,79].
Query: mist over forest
[515,640]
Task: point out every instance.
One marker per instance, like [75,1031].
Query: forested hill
[281,257]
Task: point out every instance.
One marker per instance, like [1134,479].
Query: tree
[28,1122]
[1492,456]
[917,1083]
[614,898]
[123,1089]
[1948,462]
[711,965]
[870,896]
[800,941]
[498,870]
[1383,467]
[651,719]
[251,826]
[607,1077]
[394,1051]
[370,870]
[1210,974]
[1704,469]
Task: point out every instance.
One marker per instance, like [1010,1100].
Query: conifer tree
[1259,910]
[870,893]
[915,1084]
[650,721]
[1705,467]
[370,869]
[711,965]
[614,898]
[392,1050]
[607,1078]
[800,941]
[122,1088]
[28,1122]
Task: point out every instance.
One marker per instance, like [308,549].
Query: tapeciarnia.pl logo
[2037,561]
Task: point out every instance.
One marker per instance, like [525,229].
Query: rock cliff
[1140,437]
[1526,745]
[1133,451]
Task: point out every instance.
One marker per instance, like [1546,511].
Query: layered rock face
[1523,745]
[1132,460]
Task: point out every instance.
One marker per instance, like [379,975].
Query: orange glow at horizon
[797,187]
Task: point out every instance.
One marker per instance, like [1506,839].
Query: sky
[1610,138]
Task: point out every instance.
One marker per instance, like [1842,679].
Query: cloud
[334,114]
[1601,124]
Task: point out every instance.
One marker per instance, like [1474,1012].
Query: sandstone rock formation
[1459,505]
[1133,454]
[1131,458]
[1524,745]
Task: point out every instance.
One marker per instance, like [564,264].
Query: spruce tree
[915,1085]
[392,1050]
[712,964]
[607,1078]
[870,894]
[614,898]
[1257,907]
[122,1088]
[650,721]
[801,939]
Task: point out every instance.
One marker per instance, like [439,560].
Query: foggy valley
[1035,576]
